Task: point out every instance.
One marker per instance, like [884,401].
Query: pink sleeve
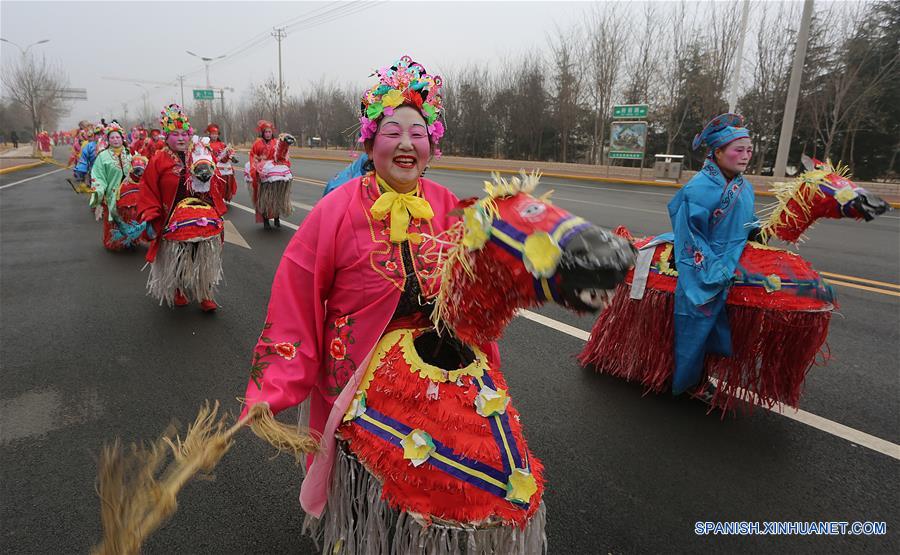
[286,360]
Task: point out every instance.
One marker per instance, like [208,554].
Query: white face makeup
[178,140]
[401,148]
[115,139]
[734,157]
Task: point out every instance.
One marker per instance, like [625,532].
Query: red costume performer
[138,140]
[153,144]
[222,154]
[165,186]
[263,149]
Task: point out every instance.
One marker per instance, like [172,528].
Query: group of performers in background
[168,189]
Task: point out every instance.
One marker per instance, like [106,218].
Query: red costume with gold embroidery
[222,154]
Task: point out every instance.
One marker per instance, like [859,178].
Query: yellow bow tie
[401,206]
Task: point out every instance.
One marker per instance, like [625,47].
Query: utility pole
[790,105]
[279,35]
[125,109]
[736,80]
[181,81]
[206,62]
[222,115]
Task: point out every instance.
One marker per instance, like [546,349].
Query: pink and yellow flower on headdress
[405,83]
[114,127]
[174,119]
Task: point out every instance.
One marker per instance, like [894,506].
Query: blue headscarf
[720,131]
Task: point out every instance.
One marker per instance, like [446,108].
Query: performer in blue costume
[354,170]
[712,217]
[88,155]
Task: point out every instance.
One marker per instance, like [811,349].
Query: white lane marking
[845,432]
[285,224]
[554,197]
[30,178]
[301,206]
[834,428]
[311,181]
[815,421]
[591,187]
[823,424]
[233,236]
[554,324]
[598,188]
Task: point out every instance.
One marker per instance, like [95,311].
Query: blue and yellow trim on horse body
[513,483]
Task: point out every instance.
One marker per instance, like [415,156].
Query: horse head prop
[201,164]
[512,250]
[138,166]
[822,191]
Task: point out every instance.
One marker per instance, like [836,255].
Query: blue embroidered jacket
[711,219]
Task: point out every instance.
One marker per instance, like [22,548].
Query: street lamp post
[206,62]
[146,96]
[25,50]
[222,101]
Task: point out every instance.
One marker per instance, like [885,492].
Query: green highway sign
[632,111]
[204,94]
[627,155]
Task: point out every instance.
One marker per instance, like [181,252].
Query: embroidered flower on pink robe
[267,348]
[285,350]
[338,350]
[341,322]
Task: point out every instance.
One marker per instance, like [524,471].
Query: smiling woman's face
[401,148]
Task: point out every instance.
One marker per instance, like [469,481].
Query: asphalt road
[87,357]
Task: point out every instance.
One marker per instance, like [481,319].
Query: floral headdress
[114,126]
[403,84]
[174,119]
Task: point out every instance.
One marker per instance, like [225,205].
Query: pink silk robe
[334,293]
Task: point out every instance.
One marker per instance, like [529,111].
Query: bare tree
[643,57]
[567,80]
[604,49]
[724,27]
[764,103]
[846,92]
[37,86]
[673,111]
[265,97]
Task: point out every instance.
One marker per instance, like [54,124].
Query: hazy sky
[147,41]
